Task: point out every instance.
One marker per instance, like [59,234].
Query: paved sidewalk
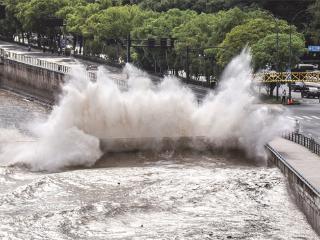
[300,158]
[47,56]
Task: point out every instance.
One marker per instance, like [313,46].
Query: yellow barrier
[284,77]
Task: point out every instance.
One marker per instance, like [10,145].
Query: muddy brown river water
[168,195]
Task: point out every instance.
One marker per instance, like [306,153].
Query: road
[307,113]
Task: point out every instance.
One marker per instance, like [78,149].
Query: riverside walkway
[301,168]
[306,163]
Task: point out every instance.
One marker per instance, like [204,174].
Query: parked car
[310,92]
[298,86]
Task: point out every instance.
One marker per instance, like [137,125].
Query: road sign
[314,48]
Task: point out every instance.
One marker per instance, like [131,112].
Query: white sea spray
[90,111]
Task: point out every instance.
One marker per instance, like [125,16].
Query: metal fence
[52,66]
[284,77]
[307,142]
[33,61]
[303,181]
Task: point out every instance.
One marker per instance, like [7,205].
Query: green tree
[265,51]
[32,14]
[77,16]
[114,22]
[314,9]
[10,24]
[208,31]
[163,25]
[205,6]
[249,34]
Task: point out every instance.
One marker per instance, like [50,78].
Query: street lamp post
[290,57]
[187,65]
[290,45]
[277,61]
[128,48]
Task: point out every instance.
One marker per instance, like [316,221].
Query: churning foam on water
[89,111]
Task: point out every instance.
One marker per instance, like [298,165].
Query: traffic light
[2,11]
[151,42]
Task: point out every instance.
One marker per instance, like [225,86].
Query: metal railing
[30,60]
[292,169]
[33,61]
[283,77]
[307,142]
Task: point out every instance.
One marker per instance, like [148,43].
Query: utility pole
[277,63]
[128,48]
[187,65]
[290,57]
[290,46]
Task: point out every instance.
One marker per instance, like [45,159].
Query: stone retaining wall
[36,81]
[306,196]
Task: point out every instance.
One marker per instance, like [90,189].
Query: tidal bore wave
[89,113]
[176,194]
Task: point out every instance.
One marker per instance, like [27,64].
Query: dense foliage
[207,33]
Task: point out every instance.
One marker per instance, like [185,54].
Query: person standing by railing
[297,127]
[283,98]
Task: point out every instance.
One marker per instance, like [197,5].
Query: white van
[304,67]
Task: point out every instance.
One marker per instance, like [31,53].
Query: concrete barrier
[306,195]
[21,77]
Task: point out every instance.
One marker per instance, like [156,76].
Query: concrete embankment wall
[307,197]
[32,80]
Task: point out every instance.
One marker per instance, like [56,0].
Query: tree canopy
[213,31]
[258,34]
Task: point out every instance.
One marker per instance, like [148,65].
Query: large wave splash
[90,111]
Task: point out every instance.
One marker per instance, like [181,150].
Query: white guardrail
[34,61]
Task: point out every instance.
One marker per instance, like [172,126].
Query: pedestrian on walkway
[283,98]
[297,127]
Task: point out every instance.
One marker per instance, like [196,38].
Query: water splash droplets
[92,111]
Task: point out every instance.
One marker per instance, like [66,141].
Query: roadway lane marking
[298,117]
[291,118]
[307,117]
[316,117]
